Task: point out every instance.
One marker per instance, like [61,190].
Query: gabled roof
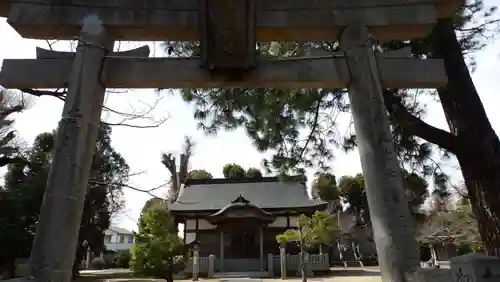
[240,203]
[265,193]
[120,230]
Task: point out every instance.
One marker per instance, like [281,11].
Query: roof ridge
[266,195]
[276,179]
[120,230]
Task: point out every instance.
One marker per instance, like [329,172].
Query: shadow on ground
[354,272]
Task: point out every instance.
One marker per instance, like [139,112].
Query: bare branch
[127,118]
[59,94]
[124,185]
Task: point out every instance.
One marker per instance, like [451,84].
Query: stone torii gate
[227,31]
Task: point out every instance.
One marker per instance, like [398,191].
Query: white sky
[142,147]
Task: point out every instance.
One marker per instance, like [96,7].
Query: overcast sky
[142,147]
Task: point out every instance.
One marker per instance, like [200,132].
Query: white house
[117,239]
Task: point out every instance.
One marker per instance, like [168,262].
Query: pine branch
[12,160]
[413,125]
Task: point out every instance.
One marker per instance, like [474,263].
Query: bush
[97,263]
[122,259]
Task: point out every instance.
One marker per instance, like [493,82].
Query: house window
[122,239]
[107,239]
[130,239]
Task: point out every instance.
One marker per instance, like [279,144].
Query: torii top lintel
[179,20]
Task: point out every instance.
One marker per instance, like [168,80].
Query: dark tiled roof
[266,193]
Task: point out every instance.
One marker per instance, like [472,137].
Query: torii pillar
[53,251]
[393,227]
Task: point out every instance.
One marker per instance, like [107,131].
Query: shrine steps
[353,263]
[246,274]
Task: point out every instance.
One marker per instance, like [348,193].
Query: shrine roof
[267,193]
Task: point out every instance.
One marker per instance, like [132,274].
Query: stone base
[430,275]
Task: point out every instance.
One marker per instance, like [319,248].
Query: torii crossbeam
[51,69]
[178,20]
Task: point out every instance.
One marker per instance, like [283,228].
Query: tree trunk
[482,178]
[11,271]
[478,146]
[80,254]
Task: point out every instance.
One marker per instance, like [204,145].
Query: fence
[317,262]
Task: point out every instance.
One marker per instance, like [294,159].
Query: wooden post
[222,250]
[302,266]
[307,264]
[53,250]
[211,266]
[392,223]
[196,262]
[88,258]
[261,246]
[283,260]
[270,265]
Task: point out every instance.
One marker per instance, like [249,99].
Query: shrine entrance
[244,243]
[242,246]
[241,226]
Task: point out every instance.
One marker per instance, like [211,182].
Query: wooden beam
[446,7]
[281,20]
[42,53]
[227,34]
[185,73]
[4,8]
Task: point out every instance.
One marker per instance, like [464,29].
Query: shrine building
[237,220]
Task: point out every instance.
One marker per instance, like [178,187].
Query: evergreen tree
[25,185]
[353,192]
[325,187]
[233,171]
[9,104]
[199,174]
[158,251]
[253,173]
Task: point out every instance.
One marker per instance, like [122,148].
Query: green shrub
[97,263]
[122,259]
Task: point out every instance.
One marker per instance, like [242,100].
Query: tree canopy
[10,103]
[199,174]
[233,171]
[253,173]
[319,229]
[445,224]
[352,191]
[25,185]
[325,187]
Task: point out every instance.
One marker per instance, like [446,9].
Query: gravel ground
[351,274]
